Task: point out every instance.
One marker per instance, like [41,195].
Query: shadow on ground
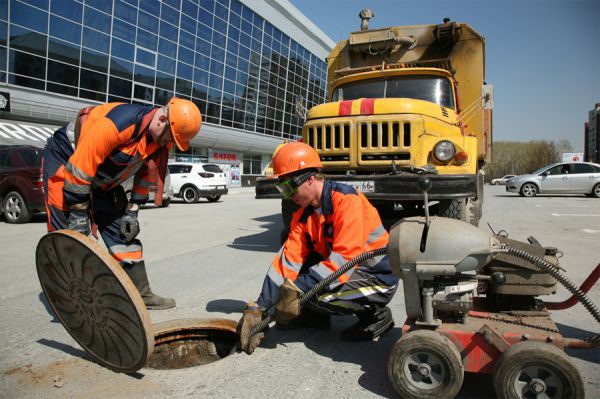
[264,241]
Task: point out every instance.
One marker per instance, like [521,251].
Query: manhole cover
[95,300]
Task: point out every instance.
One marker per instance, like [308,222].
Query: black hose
[308,295]
[564,280]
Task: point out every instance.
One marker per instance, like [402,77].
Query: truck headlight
[444,151]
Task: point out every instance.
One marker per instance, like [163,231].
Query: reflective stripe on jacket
[112,147]
[344,227]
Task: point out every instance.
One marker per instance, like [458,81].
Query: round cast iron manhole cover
[95,300]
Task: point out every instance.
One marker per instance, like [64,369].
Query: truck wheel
[536,370]
[189,194]
[454,209]
[425,364]
[15,209]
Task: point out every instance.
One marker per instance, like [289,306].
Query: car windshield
[435,89]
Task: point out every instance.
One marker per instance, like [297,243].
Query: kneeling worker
[334,224]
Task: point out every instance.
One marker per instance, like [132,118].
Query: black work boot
[309,318]
[372,323]
[137,273]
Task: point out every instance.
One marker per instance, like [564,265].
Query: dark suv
[21,192]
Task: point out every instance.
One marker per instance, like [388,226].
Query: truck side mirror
[487,96]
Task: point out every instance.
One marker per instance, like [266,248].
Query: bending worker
[334,224]
[113,142]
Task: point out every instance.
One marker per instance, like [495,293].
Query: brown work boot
[137,273]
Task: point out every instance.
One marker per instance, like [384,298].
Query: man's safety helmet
[294,157]
[185,121]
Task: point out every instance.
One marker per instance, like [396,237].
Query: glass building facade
[241,71]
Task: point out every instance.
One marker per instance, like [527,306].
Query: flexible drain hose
[568,284]
[308,295]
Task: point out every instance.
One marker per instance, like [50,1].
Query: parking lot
[212,257]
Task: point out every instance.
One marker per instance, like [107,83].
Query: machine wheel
[454,209]
[596,191]
[15,208]
[529,190]
[536,370]
[213,198]
[425,364]
[189,194]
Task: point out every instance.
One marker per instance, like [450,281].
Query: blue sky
[543,56]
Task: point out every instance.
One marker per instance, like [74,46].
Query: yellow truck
[407,101]
[404,102]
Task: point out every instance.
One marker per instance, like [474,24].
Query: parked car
[501,180]
[192,181]
[21,191]
[167,191]
[559,178]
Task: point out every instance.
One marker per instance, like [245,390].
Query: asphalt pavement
[212,257]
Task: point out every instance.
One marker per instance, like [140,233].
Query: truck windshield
[435,89]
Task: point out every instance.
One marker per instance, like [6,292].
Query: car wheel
[189,194]
[529,190]
[213,198]
[596,191]
[495,183]
[15,209]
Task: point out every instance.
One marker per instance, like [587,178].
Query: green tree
[517,158]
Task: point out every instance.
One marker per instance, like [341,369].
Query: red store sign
[223,156]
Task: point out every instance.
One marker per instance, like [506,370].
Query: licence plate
[365,186]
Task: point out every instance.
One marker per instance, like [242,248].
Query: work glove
[252,317]
[288,305]
[79,221]
[130,227]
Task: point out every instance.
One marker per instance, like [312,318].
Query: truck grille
[384,141]
[334,136]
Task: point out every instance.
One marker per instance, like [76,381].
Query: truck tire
[454,209]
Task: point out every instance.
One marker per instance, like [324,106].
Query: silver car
[559,178]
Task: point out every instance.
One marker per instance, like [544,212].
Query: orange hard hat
[293,157]
[185,120]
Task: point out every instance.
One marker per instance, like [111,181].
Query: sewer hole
[191,348]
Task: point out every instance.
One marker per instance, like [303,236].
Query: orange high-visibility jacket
[112,146]
[345,226]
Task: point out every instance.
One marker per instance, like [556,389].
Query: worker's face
[166,137]
[305,194]
[160,129]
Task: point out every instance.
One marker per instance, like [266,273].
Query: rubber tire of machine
[439,352]
[526,357]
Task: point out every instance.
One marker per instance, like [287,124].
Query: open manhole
[99,306]
[192,342]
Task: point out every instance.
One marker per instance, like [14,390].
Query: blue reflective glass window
[4,10]
[29,17]
[165,81]
[95,40]
[167,47]
[221,10]
[96,19]
[201,76]
[232,47]
[188,24]
[203,47]
[147,40]
[230,73]
[166,64]
[202,61]
[91,80]
[187,39]
[231,60]
[215,81]
[69,9]
[63,73]
[151,6]
[122,49]
[143,75]
[101,5]
[43,4]
[184,71]
[170,15]
[3,33]
[121,68]
[229,86]
[236,7]
[204,32]
[199,91]
[208,5]
[205,17]
[183,86]
[27,64]
[189,8]
[64,51]
[124,30]
[216,67]
[65,30]
[120,87]
[218,39]
[145,57]
[173,3]
[218,54]
[26,40]
[94,60]
[148,22]
[186,55]
[125,11]
[168,31]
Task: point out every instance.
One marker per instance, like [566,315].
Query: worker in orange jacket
[335,223]
[113,142]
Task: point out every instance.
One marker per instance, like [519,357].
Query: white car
[192,181]
[501,180]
